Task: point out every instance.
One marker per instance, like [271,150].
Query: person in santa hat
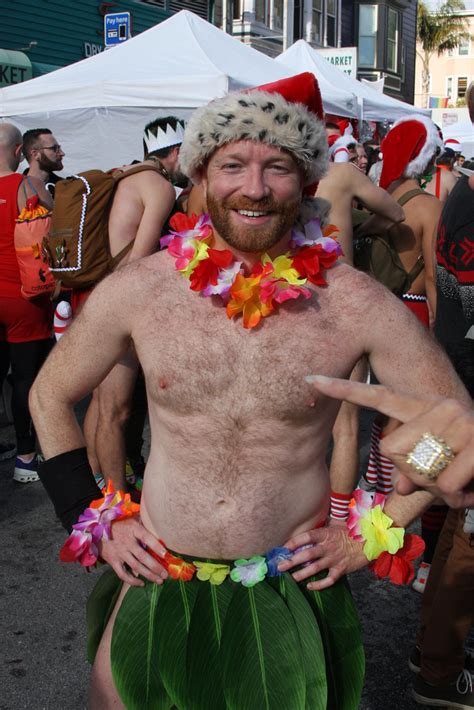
[227,589]
[407,150]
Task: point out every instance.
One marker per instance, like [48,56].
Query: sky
[469,4]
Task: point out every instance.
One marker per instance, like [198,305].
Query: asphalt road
[42,612]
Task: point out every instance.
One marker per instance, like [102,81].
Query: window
[367,35]
[462,86]
[317,22]
[277,15]
[464,47]
[392,40]
[331,23]
[261,11]
[449,87]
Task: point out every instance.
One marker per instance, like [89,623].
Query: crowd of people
[278,207]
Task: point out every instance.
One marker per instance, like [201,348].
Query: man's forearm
[405,509]
[55,423]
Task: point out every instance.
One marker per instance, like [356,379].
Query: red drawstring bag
[32,225]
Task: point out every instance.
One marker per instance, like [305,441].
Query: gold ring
[430,456]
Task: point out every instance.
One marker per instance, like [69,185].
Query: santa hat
[408,148]
[338,152]
[287,113]
[453,144]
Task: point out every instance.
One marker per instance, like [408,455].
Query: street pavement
[42,611]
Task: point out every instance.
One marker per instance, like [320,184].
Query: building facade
[450,73]
[46,36]
[385,34]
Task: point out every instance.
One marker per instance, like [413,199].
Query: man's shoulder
[132,282]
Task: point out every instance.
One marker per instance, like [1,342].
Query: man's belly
[195,513]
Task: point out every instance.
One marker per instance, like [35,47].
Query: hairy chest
[197,360]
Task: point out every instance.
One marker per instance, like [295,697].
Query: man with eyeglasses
[44,155]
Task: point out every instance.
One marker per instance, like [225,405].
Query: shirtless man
[141,206]
[342,184]
[237,464]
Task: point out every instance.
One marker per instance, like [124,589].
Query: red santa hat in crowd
[288,114]
[339,152]
[408,148]
[453,144]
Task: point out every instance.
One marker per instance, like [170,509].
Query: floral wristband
[389,549]
[94,524]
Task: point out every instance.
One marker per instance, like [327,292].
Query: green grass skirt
[198,646]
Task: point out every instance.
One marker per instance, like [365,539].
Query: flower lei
[390,550]
[94,524]
[248,572]
[214,272]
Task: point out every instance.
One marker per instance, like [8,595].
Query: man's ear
[19,151]
[201,179]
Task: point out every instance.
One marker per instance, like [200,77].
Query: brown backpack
[77,245]
[377,255]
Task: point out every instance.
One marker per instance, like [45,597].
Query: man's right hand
[126,553]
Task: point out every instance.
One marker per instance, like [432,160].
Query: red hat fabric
[302,88]
[408,148]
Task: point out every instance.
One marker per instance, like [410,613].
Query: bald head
[10,147]
[10,135]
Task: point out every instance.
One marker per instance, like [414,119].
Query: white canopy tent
[373,105]
[97,108]
[463,131]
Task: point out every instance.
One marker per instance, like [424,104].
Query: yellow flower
[378,534]
[283,269]
[210,572]
[200,253]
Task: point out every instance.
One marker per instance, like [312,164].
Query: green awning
[15,67]
[40,68]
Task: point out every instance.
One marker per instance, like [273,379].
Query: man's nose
[255,185]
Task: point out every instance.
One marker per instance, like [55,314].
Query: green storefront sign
[14,67]
[38,37]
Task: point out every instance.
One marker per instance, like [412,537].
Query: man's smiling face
[253,193]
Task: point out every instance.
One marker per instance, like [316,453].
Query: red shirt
[10,281]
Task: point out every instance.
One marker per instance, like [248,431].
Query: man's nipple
[162,383]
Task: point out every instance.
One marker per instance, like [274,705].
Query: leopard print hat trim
[258,116]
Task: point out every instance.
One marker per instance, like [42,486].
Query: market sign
[344,58]
[15,67]
[116,28]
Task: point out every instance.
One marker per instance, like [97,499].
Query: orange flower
[178,568]
[246,299]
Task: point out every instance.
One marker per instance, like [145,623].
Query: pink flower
[361,503]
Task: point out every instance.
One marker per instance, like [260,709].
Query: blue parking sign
[116,28]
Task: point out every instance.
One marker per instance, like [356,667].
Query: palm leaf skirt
[200,646]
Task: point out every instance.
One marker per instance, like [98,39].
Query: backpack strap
[420,263]
[114,260]
[120,174]
[407,196]
[26,179]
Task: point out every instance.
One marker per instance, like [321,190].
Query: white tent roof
[183,62]
[98,107]
[375,106]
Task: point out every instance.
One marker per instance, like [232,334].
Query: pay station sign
[116,28]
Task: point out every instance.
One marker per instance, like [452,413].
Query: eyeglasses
[54,147]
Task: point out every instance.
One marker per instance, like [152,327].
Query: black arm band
[70,484]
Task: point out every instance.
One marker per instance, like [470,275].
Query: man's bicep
[378,200]
[88,350]
[405,356]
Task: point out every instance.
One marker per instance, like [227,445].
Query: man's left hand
[332,549]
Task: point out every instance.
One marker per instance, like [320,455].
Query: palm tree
[439,31]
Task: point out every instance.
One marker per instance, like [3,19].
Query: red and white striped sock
[385,472]
[372,467]
[339,508]
[62,318]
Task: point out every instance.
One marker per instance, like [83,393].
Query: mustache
[266,204]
